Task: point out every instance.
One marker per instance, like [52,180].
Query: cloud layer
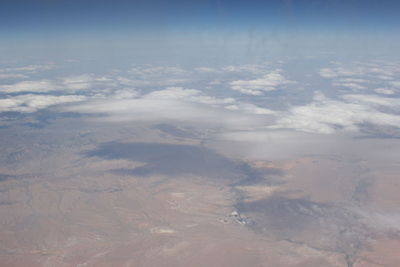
[367,95]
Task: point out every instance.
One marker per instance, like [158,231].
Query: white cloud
[71,83]
[354,86]
[157,70]
[191,95]
[353,80]
[384,91]
[31,103]
[29,86]
[395,84]
[84,82]
[206,69]
[250,108]
[12,76]
[268,82]
[362,76]
[352,83]
[177,104]
[373,100]
[29,68]
[327,73]
[150,81]
[251,68]
[125,93]
[339,72]
[247,68]
[327,116]
[382,70]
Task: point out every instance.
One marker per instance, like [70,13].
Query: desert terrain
[140,196]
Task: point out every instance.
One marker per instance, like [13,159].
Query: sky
[180,31]
[129,19]
[130,16]
[259,57]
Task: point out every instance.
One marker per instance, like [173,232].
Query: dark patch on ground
[6,177]
[255,176]
[7,203]
[178,160]
[12,115]
[44,118]
[370,131]
[324,226]
[175,131]
[361,193]
[282,215]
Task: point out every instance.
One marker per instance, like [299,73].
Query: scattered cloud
[84,82]
[384,91]
[71,84]
[251,68]
[250,108]
[380,70]
[125,93]
[29,86]
[12,76]
[395,84]
[354,86]
[206,69]
[327,116]
[137,96]
[150,81]
[157,70]
[29,68]
[191,95]
[268,82]
[373,100]
[336,72]
[31,103]
[363,76]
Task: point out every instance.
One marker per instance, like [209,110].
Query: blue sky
[91,18]
[187,30]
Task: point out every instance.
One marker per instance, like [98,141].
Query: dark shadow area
[324,226]
[256,176]
[177,160]
[283,216]
[7,203]
[370,131]
[44,118]
[175,131]
[6,177]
